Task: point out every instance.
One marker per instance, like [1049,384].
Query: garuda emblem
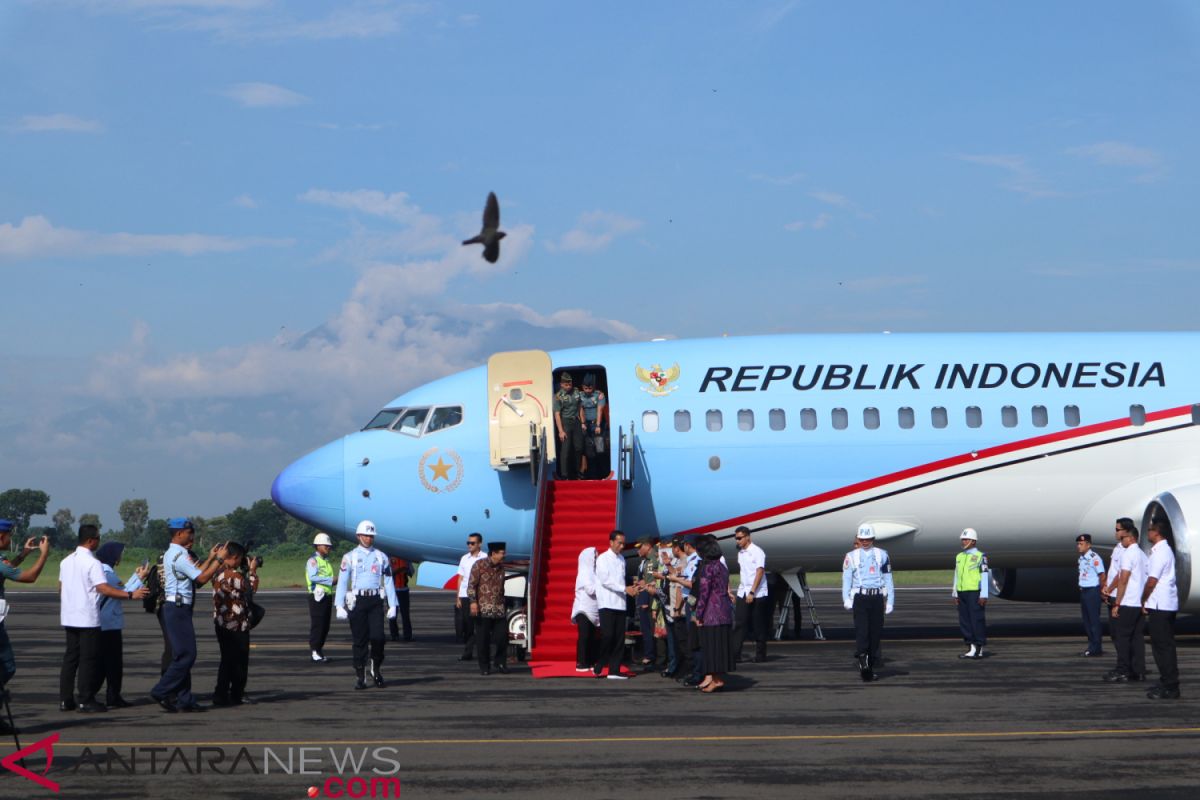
[658,380]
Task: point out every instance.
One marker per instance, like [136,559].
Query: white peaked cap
[365,528]
[323,538]
[969,533]
[866,531]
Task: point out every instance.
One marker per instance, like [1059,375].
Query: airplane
[1030,438]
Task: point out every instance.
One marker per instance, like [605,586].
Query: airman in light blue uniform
[868,591]
[365,579]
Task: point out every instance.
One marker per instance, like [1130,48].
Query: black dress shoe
[1116,677]
[166,704]
[379,681]
[193,708]
[360,682]
[466,657]
[486,671]
[221,701]
[244,701]
[67,705]
[691,684]
[1159,693]
[92,707]
[118,702]
[667,674]
[502,669]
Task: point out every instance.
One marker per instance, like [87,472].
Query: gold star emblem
[441,469]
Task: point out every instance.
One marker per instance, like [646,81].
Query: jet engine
[1038,584]
[1178,512]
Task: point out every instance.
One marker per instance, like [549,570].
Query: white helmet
[365,528]
[969,533]
[323,538]
[866,531]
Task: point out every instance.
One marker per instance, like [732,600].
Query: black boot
[377,675]
[361,683]
[864,669]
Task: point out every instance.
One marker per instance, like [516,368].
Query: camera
[258,562]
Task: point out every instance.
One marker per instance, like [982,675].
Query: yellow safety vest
[968,570]
[324,570]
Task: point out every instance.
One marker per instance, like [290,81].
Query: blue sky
[228,228]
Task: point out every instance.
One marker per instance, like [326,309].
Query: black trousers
[167,655]
[570,449]
[319,615]
[612,641]
[81,665]
[972,622]
[868,625]
[752,618]
[1131,641]
[646,626]
[403,614]
[112,666]
[493,640]
[1162,643]
[366,628]
[235,664]
[464,622]
[683,652]
[585,641]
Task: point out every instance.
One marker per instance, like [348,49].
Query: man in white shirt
[464,624]
[611,591]
[1131,623]
[81,582]
[1112,578]
[753,610]
[1160,603]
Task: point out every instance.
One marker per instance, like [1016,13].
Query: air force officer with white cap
[868,591]
[970,593]
[365,579]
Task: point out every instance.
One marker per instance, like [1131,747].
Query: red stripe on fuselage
[934,466]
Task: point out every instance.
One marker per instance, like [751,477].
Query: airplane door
[520,395]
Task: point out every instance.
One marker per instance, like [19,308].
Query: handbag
[257,613]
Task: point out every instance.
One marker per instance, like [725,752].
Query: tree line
[261,527]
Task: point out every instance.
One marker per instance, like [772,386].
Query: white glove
[848,606]
[391,612]
[342,613]
[319,593]
[888,610]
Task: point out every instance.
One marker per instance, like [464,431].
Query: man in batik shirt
[231,616]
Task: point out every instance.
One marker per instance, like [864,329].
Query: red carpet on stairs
[579,514]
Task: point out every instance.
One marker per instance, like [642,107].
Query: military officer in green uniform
[569,425]
[970,592]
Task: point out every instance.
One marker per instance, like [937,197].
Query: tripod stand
[12,727]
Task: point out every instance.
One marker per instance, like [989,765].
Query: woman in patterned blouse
[231,617]
[713,614]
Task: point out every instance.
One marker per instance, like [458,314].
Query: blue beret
[6,525]
[180,523]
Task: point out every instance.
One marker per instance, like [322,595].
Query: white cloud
[821,221]
[264,95]
[831,199]
[1121,154]
[779,180]
[876,283]
[35,237]
[64,123]
[1022,178]
[245,201]
[594,231]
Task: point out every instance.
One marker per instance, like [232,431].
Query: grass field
[288,572]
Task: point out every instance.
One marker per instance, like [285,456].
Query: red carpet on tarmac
[566,669]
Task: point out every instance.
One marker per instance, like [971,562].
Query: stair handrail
[625,461]
[545,473]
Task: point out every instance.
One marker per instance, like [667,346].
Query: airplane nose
[313,488]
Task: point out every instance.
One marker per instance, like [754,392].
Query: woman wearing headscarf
[714,615]
[112,622]
[585,613]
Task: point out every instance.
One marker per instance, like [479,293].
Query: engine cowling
[1038,584]
[1180,509]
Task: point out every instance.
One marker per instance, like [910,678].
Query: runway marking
[799,737]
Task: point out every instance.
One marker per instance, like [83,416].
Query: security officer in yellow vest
[320,579]
[970,593]
[868,591]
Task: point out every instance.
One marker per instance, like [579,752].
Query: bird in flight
[491,234]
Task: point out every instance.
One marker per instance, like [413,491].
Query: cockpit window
[410,421]
[444,417]
[383,419]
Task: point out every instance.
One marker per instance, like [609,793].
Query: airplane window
[444,417]
[808,419]
[383,419]
[840,419]
[745,420]
[1008,416]
[938,416]
[650,421]
[683,421]
[712,419]
[907,418]
[410,421]
[777,419]
[1137,415]
[1040,417]
[1071,416]
[871,418]
[974,417]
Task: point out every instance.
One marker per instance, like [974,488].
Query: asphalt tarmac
[1031,720]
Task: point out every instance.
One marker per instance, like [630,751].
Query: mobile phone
[145,563]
